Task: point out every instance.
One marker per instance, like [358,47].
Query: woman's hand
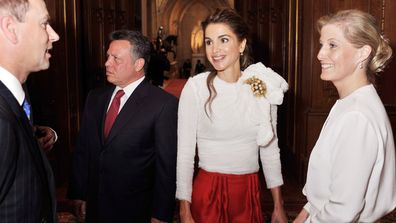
[185,212]
[301,217]
[279,215]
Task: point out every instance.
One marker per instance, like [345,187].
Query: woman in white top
[230,117]
[351,171]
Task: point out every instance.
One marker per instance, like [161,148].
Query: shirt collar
[13,84]
[129,89]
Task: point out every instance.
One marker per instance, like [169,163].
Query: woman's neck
[345,88]
[230,75]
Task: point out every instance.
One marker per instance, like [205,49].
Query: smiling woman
[340,59]
[220,114]
[351,172]
[223,50]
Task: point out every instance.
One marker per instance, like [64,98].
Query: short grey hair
[16,8]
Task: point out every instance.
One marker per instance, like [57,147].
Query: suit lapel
[22,120]
[128,111]
[39,158]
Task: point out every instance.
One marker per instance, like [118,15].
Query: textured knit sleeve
[267,139]
[270,156]
[186,139]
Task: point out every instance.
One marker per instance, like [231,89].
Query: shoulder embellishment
[257,85]
[275,85]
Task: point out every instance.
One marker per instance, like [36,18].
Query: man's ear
[139,64]
[8,28]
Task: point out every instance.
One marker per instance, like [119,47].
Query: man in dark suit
[27,191]
[126,172]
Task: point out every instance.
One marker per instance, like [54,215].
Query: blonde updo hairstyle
[361,28]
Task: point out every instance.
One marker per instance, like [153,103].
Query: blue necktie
[27,108]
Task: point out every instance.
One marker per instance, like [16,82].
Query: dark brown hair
[140,45]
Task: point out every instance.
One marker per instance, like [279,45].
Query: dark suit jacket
[27,191]
[131,176]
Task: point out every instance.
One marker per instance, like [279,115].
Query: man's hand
[46,137]
[79,209]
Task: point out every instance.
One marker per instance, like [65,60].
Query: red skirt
[226,198]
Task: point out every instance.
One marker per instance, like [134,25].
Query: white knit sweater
[240,128]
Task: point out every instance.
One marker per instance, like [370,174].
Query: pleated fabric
[226,198]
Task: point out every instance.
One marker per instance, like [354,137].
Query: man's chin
[110,80]
[41,67]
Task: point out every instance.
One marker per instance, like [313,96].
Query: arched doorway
[181,18]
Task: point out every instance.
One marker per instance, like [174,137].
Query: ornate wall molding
[109,15]
[98,15]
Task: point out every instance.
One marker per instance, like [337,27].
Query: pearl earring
[241,53]
[361,65]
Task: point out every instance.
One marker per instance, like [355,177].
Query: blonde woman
[351,171]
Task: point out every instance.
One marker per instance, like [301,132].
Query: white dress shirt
[13,84]
[128,90]
[241,126]
[351,172]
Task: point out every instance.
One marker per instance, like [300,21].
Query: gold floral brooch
[258,86]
